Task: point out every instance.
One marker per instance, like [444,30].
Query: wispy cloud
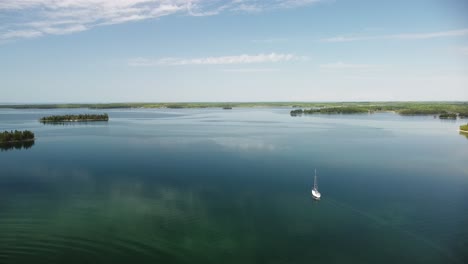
[55,17]
[341,65]
[406,36]
[294,3]
[252,6]
[249,8]
[221,60]
[21,34]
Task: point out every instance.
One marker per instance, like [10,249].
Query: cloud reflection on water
[244,144]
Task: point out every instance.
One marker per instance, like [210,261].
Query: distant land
[403,108]
[444,110]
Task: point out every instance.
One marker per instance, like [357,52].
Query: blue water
[233,186]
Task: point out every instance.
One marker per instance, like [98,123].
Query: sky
[99,51]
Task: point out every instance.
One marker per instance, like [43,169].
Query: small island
[16,140]
[74,118]
[227,107]
[448,116]
[16,136]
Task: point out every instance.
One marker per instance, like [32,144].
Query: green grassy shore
[464,128]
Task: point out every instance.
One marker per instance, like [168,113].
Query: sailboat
[315,193]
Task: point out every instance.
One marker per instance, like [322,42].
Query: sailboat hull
[316,195]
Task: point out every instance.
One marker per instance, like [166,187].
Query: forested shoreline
[16,136]
[75,118]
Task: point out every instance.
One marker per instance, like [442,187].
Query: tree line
[68,118]
[443,111]
[332,110]
[448,116]
[16,136]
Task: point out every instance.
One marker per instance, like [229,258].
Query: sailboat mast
[315,180]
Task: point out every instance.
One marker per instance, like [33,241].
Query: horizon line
[227,102]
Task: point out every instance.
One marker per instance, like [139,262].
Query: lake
[234,186]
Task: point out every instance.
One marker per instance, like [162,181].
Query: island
[74,118]
[227,107]
[332,110]
[16,139]
[448,116]
[16,136]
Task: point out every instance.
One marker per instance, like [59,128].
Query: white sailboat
[315,193]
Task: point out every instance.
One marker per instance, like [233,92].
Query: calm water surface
[219,186]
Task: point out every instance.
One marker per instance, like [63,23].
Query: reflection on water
[244,144]
[16,145]
[130,219]
[465,134]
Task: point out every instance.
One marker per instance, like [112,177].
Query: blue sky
[232,50]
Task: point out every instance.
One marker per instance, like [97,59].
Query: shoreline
[73,120]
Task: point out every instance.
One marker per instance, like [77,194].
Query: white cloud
[295,3]
[407,36]
[43,17]
[221,60]
[249,8]
[64,30]
[449,33]
[342,65]
[21,34]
